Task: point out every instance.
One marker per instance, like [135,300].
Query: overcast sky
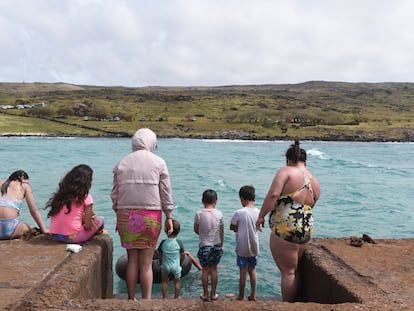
[206,42]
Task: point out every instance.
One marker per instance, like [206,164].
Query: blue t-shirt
[171,250]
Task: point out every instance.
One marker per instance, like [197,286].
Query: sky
[139,43]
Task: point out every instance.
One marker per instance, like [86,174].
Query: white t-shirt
[209,222]
[247,238]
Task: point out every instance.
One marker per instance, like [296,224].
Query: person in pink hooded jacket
[141,192]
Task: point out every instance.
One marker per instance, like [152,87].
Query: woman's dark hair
[247,193]
[74,187]
[15,176]
[295,153]
[209,196]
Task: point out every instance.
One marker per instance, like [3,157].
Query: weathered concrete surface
[40,275]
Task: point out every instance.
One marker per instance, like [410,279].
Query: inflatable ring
[122,262]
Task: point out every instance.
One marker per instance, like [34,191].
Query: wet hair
[209,196]
[176,227]
[74,187]
[247,193]
[15,176]
[295,153]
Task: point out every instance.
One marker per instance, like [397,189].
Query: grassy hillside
[312,110]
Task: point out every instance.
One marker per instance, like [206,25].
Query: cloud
[205,42]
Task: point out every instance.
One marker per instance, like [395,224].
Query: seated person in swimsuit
[13,191]
[290,199]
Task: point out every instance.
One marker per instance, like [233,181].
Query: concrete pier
[40,274]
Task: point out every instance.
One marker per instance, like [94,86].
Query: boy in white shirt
[243,223]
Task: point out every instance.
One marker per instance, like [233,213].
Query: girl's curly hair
[74,187]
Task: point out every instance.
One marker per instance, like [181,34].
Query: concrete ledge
[40,275]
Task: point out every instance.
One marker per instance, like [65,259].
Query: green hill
[314,110]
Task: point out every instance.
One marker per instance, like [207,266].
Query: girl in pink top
[72,219]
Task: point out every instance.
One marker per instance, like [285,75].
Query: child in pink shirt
[72,219]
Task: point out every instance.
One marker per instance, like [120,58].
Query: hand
[260,224]
[168,226]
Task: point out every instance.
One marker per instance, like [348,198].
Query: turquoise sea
[366,188]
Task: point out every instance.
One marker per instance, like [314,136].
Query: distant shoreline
[225,137]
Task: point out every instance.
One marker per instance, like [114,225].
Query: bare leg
[21,229]
[253,282]
[214,280]
[164,287]
[145,271]
[204,278]
[132,272]
[177,288]
[287,256]
[242,283]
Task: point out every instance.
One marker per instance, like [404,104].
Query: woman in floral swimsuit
[290,199]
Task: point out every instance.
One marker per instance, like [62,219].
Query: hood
[144,139]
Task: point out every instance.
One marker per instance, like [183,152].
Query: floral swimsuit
[291,220]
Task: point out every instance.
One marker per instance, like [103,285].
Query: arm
[114,192]
[88,216]
[316,190]
[34,211]
[193,260]
[234,221]
[166,199]
[272,196]
[196,226]
[222,234]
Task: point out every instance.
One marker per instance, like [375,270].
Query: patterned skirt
[138,228]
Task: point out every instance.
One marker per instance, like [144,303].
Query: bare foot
[240,298]
[251,298]
[214,297]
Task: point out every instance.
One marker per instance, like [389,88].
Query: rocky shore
[227,135]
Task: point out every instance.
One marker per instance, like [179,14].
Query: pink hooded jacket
[141,179]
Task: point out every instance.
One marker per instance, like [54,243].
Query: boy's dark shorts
[210,255]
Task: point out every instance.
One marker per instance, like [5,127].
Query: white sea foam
[317,153]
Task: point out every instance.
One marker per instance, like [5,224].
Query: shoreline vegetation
[315,110]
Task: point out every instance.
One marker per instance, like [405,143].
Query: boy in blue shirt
[171,253]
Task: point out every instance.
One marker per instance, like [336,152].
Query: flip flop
[368,239]
[229,295]
[357,242]
[203,298]
[215,297]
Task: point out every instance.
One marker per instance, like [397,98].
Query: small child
[171,254]
[72,219]
[208,224]
[243,223]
